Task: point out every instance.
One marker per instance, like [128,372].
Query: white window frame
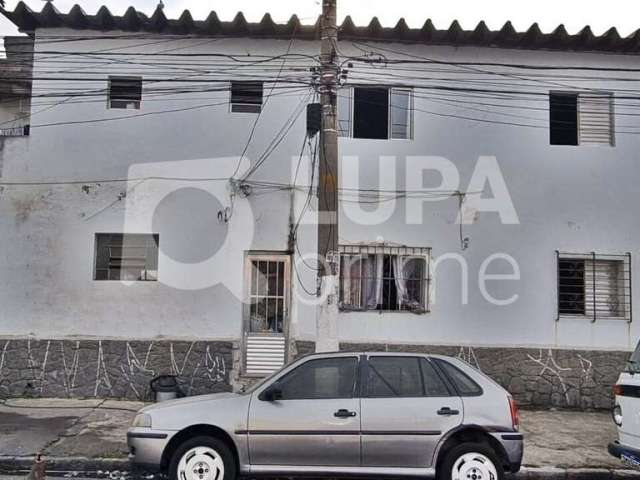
[580,99]
[350,95]
[593,288]
[248,280]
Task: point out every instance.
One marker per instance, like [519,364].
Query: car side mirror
[272,393]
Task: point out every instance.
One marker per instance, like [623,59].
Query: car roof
[344,353]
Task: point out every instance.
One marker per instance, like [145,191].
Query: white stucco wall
[575,199]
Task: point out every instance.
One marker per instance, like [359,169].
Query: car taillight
[617,390]
[515,415]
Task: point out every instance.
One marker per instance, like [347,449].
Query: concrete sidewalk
[89,435]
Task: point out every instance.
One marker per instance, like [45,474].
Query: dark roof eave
[610,42]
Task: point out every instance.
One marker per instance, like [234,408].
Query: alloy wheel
[474,466]
[201,463]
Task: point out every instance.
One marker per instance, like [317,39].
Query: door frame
[264,255]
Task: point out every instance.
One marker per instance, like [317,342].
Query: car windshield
[633,364]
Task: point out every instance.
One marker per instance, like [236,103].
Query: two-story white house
[158,195]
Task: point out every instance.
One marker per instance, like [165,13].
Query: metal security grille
[385,278]
[594,286]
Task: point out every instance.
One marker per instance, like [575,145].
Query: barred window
[125,92]
[594,286]
[384,278]
[131,257]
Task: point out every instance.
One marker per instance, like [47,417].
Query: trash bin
[165,387]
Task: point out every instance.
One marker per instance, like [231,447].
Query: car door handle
[344,413]
[446,411]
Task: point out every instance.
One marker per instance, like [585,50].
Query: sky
[574,14]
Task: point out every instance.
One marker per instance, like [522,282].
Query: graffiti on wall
[109,368]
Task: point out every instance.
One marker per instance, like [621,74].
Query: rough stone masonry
[123,369]
[110,368]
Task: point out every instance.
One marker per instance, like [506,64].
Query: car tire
[470,461]
[202,458]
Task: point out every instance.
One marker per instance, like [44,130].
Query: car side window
[321,378]
[434,386]
[461,381]
[394,377]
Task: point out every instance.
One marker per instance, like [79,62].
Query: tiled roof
[506,37]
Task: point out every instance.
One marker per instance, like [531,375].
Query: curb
[12,465]
[555,473]
[103,467]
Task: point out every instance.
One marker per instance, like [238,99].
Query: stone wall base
[123,369]
[111,368]
[535,377]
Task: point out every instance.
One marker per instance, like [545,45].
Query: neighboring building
[128,252]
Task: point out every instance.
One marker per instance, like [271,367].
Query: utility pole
[327,313]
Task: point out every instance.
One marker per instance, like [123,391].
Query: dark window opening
[132,257]
[371,113]
[125,92]
[571,287]
[246,97]
[563,116]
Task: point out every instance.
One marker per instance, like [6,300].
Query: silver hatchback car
[335,414]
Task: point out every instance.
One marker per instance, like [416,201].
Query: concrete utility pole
[327,313]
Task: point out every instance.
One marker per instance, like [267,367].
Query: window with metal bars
[125,92]
[594,286]
[130,257]
[384,278]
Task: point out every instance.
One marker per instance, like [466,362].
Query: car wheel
[202,458]
[470,461]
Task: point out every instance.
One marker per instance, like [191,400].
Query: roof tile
[506,37]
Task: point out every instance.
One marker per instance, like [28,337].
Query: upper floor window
[131,257]
[384,278]
[375,113]
[125,92]
[581,119]
[246,97]
[594,286]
